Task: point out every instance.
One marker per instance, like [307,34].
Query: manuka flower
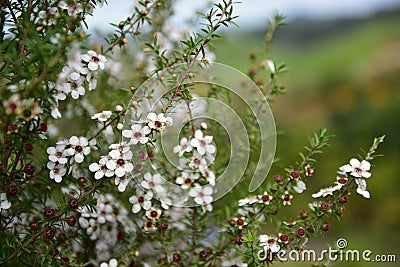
[137,134]
[202,143]
[153,182]
[57,154]
[269,243]
[328,191]
[100,169]
[141,201]
[202,194]
[265,198]
[158,122]
[57,171]
[123,166]
[362,188]
[102,116]
[4,203]
[357,169]
[287,198]
[153,213]
[187,179]
[80,147]
[94,60]
[184,146]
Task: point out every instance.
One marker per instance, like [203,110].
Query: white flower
[57,171]
[112,263]
[265,198]
[153,213]
[233,263]
[184,146]
[357,169]
[73,8]
[362,188]
[209,175]
[75,88]
[158,122]
[247,201]
[48,16]
[4,203]
[270,64]
[186,179]
[152,182]
[202,143]
[79,148]
[197,162]
[94,60]
[122,164]
[138,134]
[100,169]
[83,222]
[57,154]
[122,182]
[55,112]
[325,191]
[91,78]
[13,104]
[123,148]
[287,198]
[93,230]
[141,201]
[202,194]
[340,182]
[300,187]
[33,107]
[314,205]
[269,243]
[102,116]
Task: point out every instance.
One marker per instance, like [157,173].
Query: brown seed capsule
[62,237]
[49,232]
[164,225]
[82,180]
[73,203]
[239,240]
[301,232]
[12,190]
[34,225]
[49,212]
[29,169]
[343,199]
[176,257]
[325,226]
[71,220]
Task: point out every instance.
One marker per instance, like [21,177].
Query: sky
[252,11]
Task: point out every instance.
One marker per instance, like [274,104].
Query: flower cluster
[195,158]
[105,224]
[25,109]
[166,215]
[296,231]
[75,149]
[355,171]
[80,71]
[116,163]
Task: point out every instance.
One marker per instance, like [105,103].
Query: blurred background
[344,75]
